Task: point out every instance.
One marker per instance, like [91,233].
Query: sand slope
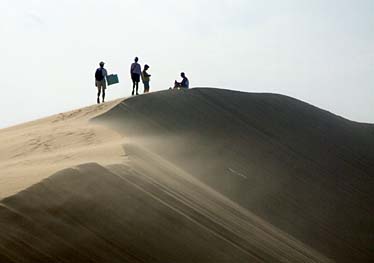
[302,169]
[35,150]
[203,175]
[117,214]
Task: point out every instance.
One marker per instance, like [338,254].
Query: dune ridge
[300,168]
[118,214]
[200,175]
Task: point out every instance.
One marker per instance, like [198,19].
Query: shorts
[146,85]
[135,77]
[100,84]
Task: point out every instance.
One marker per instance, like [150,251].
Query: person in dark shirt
[135,72]
[184,83]
[100,81]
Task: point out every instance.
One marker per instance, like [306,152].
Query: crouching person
[183,84]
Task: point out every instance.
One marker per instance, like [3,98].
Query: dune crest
[137,213]
[302,169]
[200,175]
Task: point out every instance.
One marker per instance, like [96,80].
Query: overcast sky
[319,51]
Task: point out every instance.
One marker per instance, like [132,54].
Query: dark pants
[135,82]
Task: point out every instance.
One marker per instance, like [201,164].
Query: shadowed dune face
[302,169]
[201,175]
[121,214]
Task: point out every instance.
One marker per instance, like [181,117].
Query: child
[146,78]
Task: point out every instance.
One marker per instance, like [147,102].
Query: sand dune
[202,175]
[35,150]
[117,214]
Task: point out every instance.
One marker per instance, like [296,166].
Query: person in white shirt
[135,72]
[100,81]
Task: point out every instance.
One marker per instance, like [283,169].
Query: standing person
[135,71]
[100,82]
[146,78]
[185,83]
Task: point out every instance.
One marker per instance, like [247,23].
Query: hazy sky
[319,51]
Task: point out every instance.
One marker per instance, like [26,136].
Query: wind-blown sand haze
[200,175]
[35,150]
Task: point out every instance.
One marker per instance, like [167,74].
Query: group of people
[136,74]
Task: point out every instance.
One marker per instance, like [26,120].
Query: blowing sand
[202,175]
[35,150]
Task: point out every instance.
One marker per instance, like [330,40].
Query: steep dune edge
[137,213]
[302,169]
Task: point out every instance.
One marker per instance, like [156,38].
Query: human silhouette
[100,81]
[185,83]
[135,72]
[146,78]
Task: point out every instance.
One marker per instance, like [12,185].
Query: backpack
[99,75]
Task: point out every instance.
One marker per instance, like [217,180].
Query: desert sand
[200,175]
[35,150]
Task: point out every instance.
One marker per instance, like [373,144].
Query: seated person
[183,84]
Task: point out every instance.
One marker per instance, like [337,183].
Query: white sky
[320,51]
